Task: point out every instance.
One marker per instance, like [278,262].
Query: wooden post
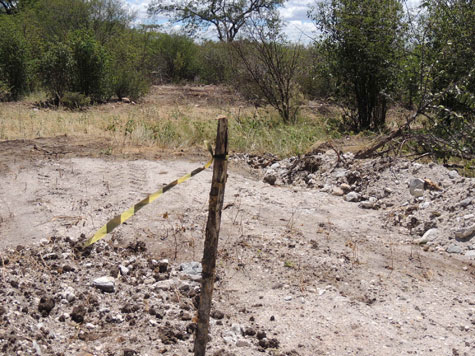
[216,196]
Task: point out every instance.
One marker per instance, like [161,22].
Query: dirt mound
[441,215]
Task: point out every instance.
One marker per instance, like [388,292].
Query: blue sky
[298,27]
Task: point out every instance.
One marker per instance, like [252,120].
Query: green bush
[13,59]
[91,66]
[75,101]
[56,70]
[129,83]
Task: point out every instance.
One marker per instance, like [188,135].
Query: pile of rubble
[432,204]
[57,298]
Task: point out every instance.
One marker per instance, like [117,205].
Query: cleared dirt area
[301,271]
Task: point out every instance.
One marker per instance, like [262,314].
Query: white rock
[453,174]
[465,232]
[429,235]
[416,187]
[105,284]
[352,197]
[123,270]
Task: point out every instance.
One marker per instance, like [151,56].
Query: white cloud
[298,27]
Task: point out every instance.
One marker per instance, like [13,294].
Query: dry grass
[170,116]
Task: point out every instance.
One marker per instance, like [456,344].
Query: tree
[91,66]
[13,60]
[56,70]
[270,63]
[227,17]
[362,39]
[448,75]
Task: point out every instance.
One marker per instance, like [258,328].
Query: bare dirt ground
[301,271]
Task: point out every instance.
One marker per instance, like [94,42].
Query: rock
[261,335]
[105,284]
[465,233]
[454,249]
[352,197]
[123,270]
[78,314]
[429,235]
[216,314]
[470,253]
[345,187]
[453,174]
[249,332]
[337,191]
[242,343]
[416,187]
[371,203]
[288,298]
[45,306]
[466,202]
[130,352]
[339,173]
[270,179]
[126,100]
[192,269]
[163,266]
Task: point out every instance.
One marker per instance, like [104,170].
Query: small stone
[270,179]
[242,343]
[470,253]
[371,203]
[465,233]
[249,332]
[185,316]
[130,352]
[78,314]
[429,235]
[126,100]
[454,249]
[352,197]
[453,174]
[123,270]
[416,187]
[345,187]
[105,284]
[288,298]
[45,306]
[338,191]
[216,314]
[163,266]
[261,335]
[466,202]
[192,270]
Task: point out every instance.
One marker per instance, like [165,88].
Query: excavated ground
[304,269]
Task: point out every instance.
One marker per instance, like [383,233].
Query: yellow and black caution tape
[119,219]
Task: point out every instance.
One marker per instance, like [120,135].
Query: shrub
[75,101]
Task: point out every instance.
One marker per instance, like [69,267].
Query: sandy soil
[317,274]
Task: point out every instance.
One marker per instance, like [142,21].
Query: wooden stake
[216,197]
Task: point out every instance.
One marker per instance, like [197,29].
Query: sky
[298,27]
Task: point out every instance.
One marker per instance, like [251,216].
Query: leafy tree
[56,70]
[174,57]
[448,77]
[91,66]
[363,40]
[227,17]
[109,18]
[13,59]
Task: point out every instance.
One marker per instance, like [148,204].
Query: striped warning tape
[119,219]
